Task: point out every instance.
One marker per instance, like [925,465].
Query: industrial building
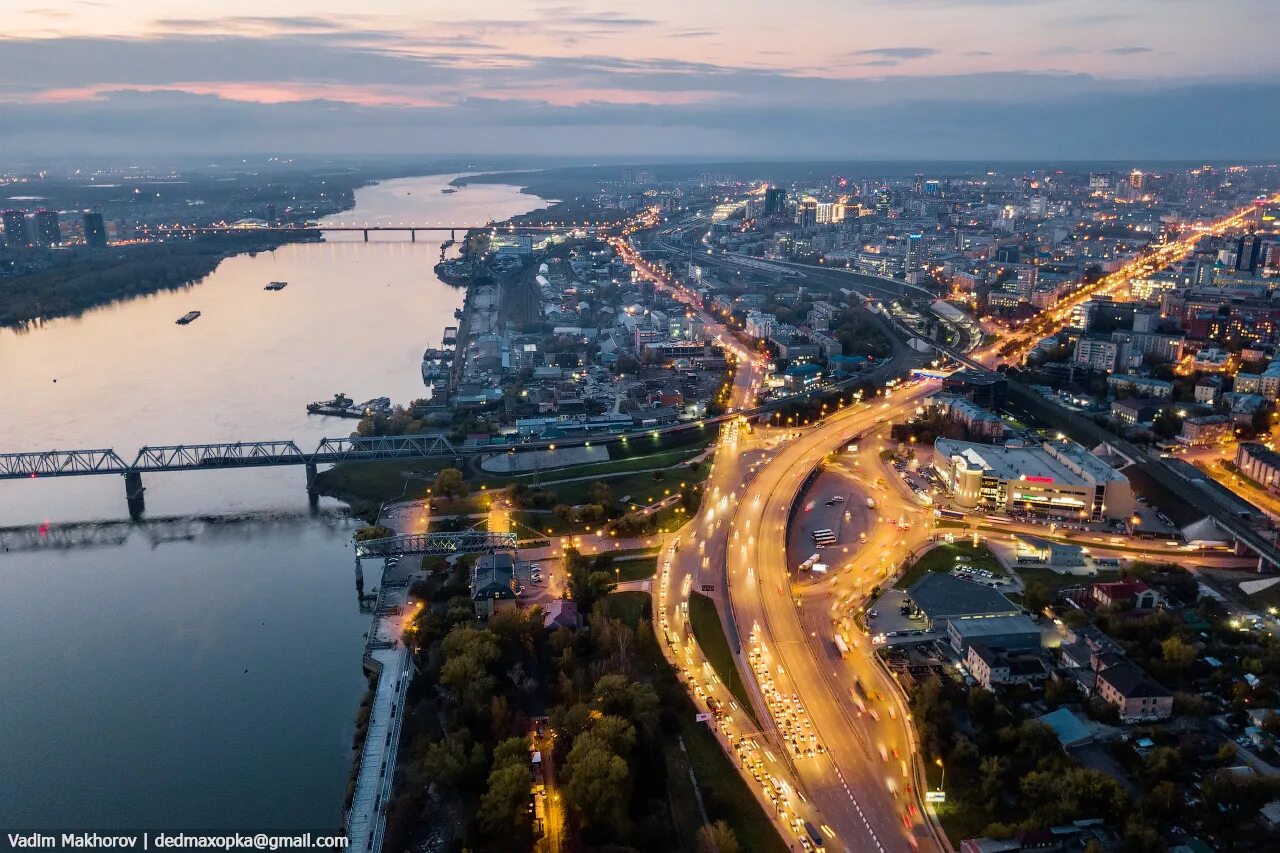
[1058,478]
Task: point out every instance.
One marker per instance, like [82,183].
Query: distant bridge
[179,230]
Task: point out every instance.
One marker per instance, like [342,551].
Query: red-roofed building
[1138,594]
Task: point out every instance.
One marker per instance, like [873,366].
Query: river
[203,671]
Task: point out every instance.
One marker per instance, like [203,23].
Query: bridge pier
[311,478]
[413,236]
[366,235]
[453,235]
[133,494]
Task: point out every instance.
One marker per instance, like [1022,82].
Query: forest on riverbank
[80,279]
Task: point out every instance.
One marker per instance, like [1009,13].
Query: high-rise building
[807,213]
[271,214]
[913,252]
[917,183]
[1137,180]
[95,229]
[884,201]
[16,233]
[775,199]
[45,228]
[1248,250]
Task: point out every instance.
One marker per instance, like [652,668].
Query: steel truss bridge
[240,454]
[436,544]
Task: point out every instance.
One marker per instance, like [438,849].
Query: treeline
[612,710]
[80,279]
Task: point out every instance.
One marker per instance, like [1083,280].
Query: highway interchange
[833,756]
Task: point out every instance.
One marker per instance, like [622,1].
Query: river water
[202,670]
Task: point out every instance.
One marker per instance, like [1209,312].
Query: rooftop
[994,625]
[1056,462]
[942,596]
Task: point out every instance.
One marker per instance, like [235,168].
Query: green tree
[468,654]
[1177,652]
[373,531]
[455,762]
[450,483]
[600,492]
[1035,598]
[717,838]
[596,786]
[504,808]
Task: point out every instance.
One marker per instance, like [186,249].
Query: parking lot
[890,619]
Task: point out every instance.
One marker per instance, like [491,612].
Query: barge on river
[189,317]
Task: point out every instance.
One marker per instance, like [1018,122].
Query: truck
[814,835]
[871,503]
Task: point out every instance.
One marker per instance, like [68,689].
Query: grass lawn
[380,481]
[721,783]
[630,607]
[943,559]
[549,476]
[1051,580]
[636,570]
[724,792]
[640,486]
[705,622]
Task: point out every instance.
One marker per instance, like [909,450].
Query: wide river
[202,670]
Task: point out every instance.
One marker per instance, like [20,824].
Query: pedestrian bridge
[436,544]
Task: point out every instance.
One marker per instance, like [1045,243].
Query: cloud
[896,52]
[1110,123]
[978,53]
[1128,50]
[691,34]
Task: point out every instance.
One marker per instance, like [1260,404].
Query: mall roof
[1064,464]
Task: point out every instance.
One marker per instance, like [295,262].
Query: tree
[504,811]
[597,782]
[1035,598]
[599,492]
[717,838]
[455,762]
[1177,652]
[373,531]
[450,483]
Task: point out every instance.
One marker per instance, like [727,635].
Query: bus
[949,513]
[841,646]
[808,563]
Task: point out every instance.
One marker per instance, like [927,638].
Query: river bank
[217,642]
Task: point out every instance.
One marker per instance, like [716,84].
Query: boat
[188,317]
[276,285]
[448,190]
[450,335]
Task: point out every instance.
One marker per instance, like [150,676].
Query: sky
[873,79]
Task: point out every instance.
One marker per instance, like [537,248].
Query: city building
[1136,696]
[1135,594]
[943,598]
[1058,478]
[1138,386]
[1206,429]
[992,667]
[980,423]
[95,229]
[493,584]
[46,231]
[16,233]
[1010,633]
[1097,353]
[988,389]
[1259,463]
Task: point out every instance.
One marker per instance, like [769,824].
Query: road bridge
[411,229]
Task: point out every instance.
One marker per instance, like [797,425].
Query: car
[873,613]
